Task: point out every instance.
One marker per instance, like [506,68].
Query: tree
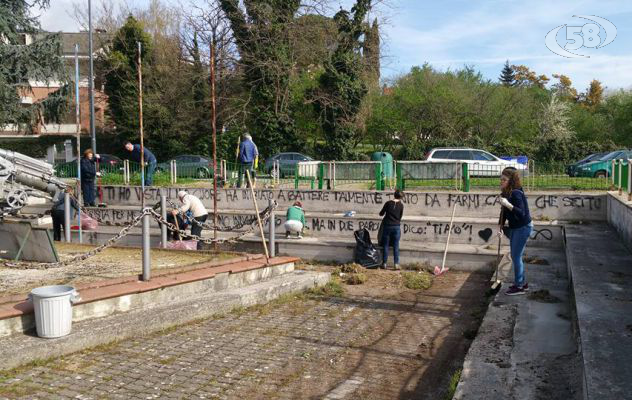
[554,121]
[507,76]
[525,77]
[261,32]
[121,76]
[564,88]
[371,53]
[593,96]
[20,63]
[342,89]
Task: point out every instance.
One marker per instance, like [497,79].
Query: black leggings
[196,230]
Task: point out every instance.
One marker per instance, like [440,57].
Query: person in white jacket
[194,209]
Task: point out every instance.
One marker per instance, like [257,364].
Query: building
[41,90]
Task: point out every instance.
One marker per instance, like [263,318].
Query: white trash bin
[53,309]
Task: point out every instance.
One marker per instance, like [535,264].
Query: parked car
[189,166]
[602,167]
[107,163]
[572,169]
[287,163]
[481,162]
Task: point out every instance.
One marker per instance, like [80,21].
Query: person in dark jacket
[58,211]
[88,174]
[150,160]
[515,211]
[392,212]
[248,155]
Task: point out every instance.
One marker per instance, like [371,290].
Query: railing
[622,177]
[376,175]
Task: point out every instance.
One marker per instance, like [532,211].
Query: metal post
[466,177]
[146,249]
[620,177]
[272,230]
[67,216]
[629,179]
[163,227]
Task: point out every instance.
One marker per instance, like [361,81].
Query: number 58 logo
[594,35]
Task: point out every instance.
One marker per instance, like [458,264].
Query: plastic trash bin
[53,309]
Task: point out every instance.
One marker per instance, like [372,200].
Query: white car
[481,163]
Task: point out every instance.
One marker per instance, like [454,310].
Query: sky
[451,34]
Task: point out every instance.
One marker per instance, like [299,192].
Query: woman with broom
[515,211]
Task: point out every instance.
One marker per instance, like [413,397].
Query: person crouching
[193,207]
[295,220]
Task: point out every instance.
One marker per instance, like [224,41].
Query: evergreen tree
[371,52]
[507,76]
[341,86]
[40,60]
[121,77]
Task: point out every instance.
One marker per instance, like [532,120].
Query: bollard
[67,208]
[146,249]
[163,213]
[272,230]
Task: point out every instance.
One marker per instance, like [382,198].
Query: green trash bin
[387,163]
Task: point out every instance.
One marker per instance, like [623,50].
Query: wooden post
[140,115]
[213,125]
[254,200]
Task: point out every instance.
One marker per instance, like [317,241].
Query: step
[19,349]
[601,273]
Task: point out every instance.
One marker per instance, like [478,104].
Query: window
[460,155]
[440,154]
[285,157]
[482,156]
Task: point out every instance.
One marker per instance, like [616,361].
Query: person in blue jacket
[150,160]
[515,211]
[88,174]
[248,153]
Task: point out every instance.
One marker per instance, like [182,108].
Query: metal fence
[622,177]
[372,175]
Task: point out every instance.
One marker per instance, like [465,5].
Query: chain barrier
[81,257]
[264,216]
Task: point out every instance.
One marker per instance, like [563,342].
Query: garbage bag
[365,252]
[182,245]
[88,223]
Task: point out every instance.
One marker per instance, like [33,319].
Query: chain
[264,216]
[246,222]
[81,257]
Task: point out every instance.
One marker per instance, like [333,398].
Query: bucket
[53,309]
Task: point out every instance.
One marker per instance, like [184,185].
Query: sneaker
[299,236]
[397,267]
[514,291]
[383,266]
[525,287]
[287,235]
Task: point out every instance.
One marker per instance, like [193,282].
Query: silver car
[480,162]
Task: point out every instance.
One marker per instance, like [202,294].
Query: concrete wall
[420,229]
[620,217]
[435,204]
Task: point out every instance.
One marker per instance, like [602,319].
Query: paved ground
[378,341]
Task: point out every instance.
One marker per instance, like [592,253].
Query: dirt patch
[536,260]
[110,263]
[543,296]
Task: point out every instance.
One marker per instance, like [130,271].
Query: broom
[497,283]
[440,271]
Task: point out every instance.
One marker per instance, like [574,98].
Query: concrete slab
[525,348]
[30,242]
[21,348]
[601,273]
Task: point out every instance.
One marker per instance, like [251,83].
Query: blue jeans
[149,177]
[390,237]
[242,172]
[517,242]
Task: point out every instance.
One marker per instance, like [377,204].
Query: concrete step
[601,273]
[19,349]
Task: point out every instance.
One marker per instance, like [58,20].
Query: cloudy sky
[484,33]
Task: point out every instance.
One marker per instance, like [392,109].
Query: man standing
[248,154]
[150,160]
[194,208]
